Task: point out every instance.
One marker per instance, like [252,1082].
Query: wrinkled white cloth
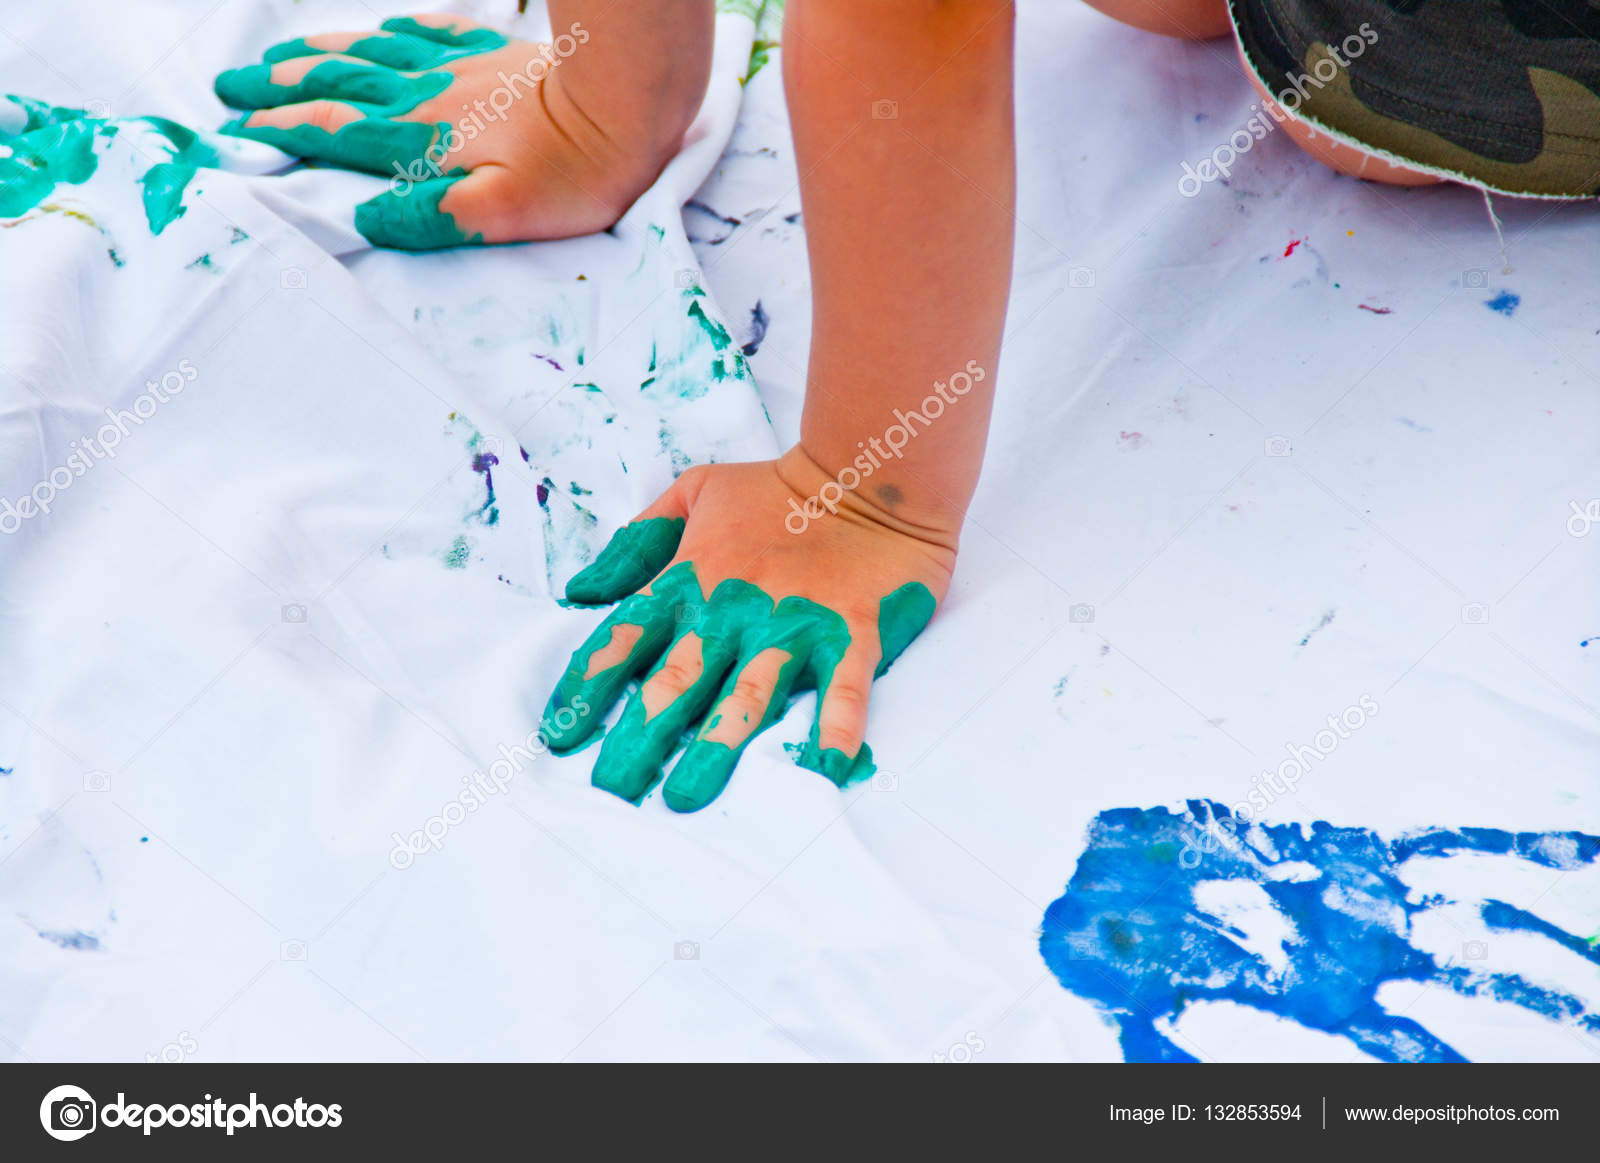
[1258,453]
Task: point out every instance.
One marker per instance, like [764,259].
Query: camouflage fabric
[1504,94]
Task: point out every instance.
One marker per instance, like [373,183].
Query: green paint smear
[459,553]
[374,144]
[734,625]
[57,145]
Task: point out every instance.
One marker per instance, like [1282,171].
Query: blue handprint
[1130,935]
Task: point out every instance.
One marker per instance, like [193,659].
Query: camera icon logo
[884,781]
[686,614]
[1082,612]
[1584,518]
[97,108]
[1080,277]
[292,279]
[885,110]
[1475,950]
[67,1113]
[1278,446]
[1475,277]
[686,951]
[1475,613]
[294,612]
[685,279]
[292,951]
[97,781]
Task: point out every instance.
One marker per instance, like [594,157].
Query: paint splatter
[1293,244]
[1504,303]
[483,464]
[1412,424]
[1327,620]
[459,553]
[1375,310]
[83,942]
[548,360]
[1168,909]
[1132,441]
[758,329]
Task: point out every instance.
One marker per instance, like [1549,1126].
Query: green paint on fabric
[57,145]
[413,220]
[165,182]
[734,626]
[459,553]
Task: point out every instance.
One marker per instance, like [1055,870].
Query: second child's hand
[485,138]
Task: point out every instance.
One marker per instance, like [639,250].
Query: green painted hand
[480,136]
[727,611]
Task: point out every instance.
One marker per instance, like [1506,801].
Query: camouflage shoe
[1500,94]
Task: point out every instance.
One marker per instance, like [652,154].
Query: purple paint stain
[1505,303]
[542,491]
[548,360]
[483,463]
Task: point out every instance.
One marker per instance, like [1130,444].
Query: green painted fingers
[377,91]
[378,80]
[729,662]
[403,43]
[412,220]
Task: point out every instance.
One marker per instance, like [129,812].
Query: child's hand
[482,138]
[736,604]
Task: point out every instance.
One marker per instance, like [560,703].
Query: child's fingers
[426,215]
[333,76]
[674,695]
[638,551]
[627,642]
[842,698]
[446,28]
[346,133]
[751,698]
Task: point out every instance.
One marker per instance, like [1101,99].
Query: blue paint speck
[1505,302]
[76,939]
[1132,935]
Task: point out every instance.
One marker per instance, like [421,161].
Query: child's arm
[903,134]
[746,582]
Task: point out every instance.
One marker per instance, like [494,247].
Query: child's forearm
[902,123]
[640,72]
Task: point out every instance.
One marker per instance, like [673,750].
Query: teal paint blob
[57,145]
[738,622]
[413,220]
[410,45]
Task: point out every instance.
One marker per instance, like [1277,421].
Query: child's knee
[1188,19]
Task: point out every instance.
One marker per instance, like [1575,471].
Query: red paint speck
[1376,310]
[1132,439]
[1288,250]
